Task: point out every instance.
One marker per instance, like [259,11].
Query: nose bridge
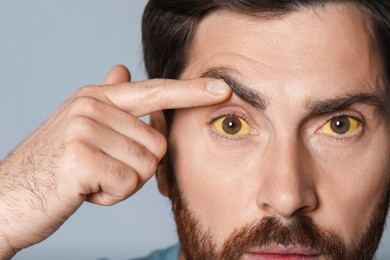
[287,186]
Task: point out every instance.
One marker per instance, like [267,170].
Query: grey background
[47,50]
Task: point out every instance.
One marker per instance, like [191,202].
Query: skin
[289,164]
[93,148]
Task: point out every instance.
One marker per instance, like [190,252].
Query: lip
[283,253]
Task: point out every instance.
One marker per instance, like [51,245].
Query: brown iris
[231,125]
[341,125]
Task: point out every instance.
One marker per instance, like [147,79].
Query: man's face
[304,139]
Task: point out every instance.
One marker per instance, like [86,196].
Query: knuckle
[152,89]
[85,91]
[76,145]
[148,162]
[132,183]
[156,88]
[134,150]
[153,163]
[132,178]
[80,125]
[136,124]
[76,155]
[128,179]
[84,105]
[162,145]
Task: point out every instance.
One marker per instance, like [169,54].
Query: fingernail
[217,87]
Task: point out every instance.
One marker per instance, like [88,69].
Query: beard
[197,243]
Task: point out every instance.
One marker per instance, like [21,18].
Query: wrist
[6,250]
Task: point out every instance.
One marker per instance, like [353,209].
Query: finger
[117,146]
[118,74]
[143,98]
[114,182]
[103,198]
[93,171]
[119,121]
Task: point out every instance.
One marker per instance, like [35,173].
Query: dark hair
[168,27]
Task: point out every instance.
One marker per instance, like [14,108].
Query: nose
[287,186]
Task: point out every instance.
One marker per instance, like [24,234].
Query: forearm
[25,215]
[6,249]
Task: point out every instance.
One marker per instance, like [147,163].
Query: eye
[232,126]
[341,126]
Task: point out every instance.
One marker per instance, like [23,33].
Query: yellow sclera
[341,126]
[232,126]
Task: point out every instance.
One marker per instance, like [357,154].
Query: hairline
[274,15]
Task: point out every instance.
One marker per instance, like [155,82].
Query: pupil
[231,125]
[340,125]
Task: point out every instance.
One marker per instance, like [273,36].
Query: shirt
[170,253]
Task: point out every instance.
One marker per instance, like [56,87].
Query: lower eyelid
[227,138]
[346,138]
[341,138]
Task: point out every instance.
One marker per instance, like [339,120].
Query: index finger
[145,97]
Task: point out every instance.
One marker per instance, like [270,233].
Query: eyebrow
[245,93]
[337,103]
[257,100]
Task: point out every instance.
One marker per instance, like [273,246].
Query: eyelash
[341,115]
[244,117]
[226,137]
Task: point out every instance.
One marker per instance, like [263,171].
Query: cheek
[350,183]
[221,182]
[215,181]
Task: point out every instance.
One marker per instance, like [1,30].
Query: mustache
[299,231]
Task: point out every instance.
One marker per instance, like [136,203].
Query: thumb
[118,74]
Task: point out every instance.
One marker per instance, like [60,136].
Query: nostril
[286,188]
[287,203]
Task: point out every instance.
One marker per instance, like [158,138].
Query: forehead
[333,41]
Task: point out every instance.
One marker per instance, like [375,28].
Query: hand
[92,148]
